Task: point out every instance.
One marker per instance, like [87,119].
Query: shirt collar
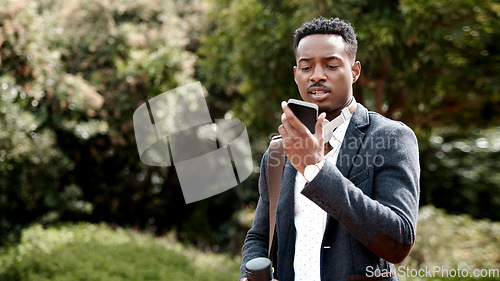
[339,133]
[335,132]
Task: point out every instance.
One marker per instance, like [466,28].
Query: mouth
[319,92]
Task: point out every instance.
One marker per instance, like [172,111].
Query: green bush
[96,252]
[454,242]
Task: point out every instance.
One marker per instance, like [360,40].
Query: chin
[325,109]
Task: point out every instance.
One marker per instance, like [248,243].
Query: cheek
[301,81]
[343,78]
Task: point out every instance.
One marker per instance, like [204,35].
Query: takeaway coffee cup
[259,269]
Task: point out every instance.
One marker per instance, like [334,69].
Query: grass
[97,252]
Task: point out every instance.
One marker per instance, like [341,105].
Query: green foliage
[96,252]
[31,162]
[71,76]
[423,62]
[247,61]
[453,242]
[461,172]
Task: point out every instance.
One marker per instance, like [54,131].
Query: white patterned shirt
[310,220]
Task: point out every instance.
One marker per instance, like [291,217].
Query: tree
[71,76]
[32,89]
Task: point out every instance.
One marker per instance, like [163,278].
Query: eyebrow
[332,58]
[304,59]
[325,58]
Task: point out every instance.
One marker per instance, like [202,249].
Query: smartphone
[306,112]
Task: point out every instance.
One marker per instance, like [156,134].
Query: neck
[327,148]
[334,113]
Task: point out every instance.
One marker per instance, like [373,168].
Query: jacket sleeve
[256,241]
[378,205]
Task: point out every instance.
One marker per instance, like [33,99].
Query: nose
[318,75]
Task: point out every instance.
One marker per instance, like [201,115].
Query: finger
[286,124]
[282,131]
[285,131]
[284,136]
[319,125]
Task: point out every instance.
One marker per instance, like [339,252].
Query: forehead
[321,46]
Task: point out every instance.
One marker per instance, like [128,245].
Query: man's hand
[301,146]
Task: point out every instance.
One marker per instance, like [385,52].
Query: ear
[356,71]
[295,73]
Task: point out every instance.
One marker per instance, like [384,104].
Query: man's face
[324,72]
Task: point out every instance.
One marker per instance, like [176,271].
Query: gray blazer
[371,197]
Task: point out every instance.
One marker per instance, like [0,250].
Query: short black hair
[322,25]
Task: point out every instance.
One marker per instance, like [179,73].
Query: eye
[305,68]
[332,66]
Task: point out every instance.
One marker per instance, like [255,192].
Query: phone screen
[306,112]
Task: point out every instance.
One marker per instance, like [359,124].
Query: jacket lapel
[353,140]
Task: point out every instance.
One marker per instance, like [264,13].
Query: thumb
[319,125]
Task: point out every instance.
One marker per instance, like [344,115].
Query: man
[348,204]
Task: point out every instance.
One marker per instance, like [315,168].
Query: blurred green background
[73,72]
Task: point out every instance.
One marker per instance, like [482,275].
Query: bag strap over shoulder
[275,166]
